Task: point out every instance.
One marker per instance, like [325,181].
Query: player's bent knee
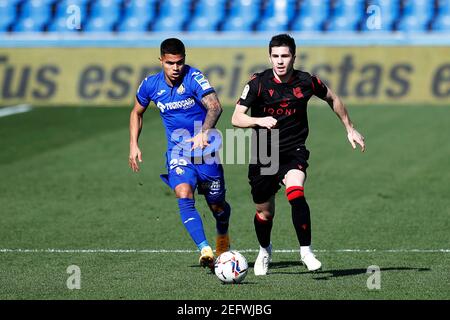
[184,191]
[264,215]
[217,207]
[295,192]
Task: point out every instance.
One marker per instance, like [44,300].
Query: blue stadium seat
[34,14]
[137,15]
[345,15]
[60,25]
[133,24]
[8,12]
[387,11]
[416,15]
[311,15]
[28,25]
[108,10]
[99,24]
[39,10]
[443,7]
[207,15]
[276,15]
[140,9]
[172,15]
[243,14]
[442,21]
[442,24]
[104,15]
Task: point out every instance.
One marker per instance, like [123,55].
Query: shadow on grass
[328,274]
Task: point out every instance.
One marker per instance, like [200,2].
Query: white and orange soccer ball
[231,267]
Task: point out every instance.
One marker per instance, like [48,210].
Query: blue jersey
[180,106]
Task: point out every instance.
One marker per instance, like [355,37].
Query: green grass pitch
[65,184]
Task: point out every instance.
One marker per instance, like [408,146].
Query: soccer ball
[231,267]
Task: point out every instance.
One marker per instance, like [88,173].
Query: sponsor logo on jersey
[202,81]
[215,185]
[245,92]
[182,104]
[160,92]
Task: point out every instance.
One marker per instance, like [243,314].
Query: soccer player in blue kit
[190,109]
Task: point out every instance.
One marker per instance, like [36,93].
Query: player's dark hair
[281,40]
[172,46]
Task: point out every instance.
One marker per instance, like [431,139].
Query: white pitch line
[21,108]
[7,250]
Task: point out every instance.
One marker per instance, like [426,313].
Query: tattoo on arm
[214,109]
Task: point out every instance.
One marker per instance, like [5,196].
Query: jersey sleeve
[200,85]
[319,88]
[250,92]
[143,94]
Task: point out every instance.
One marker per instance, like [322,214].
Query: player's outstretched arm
[240,119]
[136,121]
[353,136]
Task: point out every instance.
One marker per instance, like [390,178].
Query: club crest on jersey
[181,89]
[179,171]
[298,92]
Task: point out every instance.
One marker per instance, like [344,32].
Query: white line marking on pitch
[21,108]
[6,250]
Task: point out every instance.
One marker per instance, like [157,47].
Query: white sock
[305,250]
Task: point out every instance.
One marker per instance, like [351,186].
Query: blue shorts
[207,177]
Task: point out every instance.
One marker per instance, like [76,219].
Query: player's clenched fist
[266,122]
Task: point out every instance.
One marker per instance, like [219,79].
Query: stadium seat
[442,22]
[345,15]
[99,24]
[140,9]
[416,15]
[39,10]
[107,10]
[311,15]
[33,15]
[388,13]
[137,15]
[172,15]
[8,13]
[276,15]
[443,7]
[242,16]
[104,14]
[133,24]
[207,15]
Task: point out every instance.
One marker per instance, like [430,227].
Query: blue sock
[222,219]
[192,222]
